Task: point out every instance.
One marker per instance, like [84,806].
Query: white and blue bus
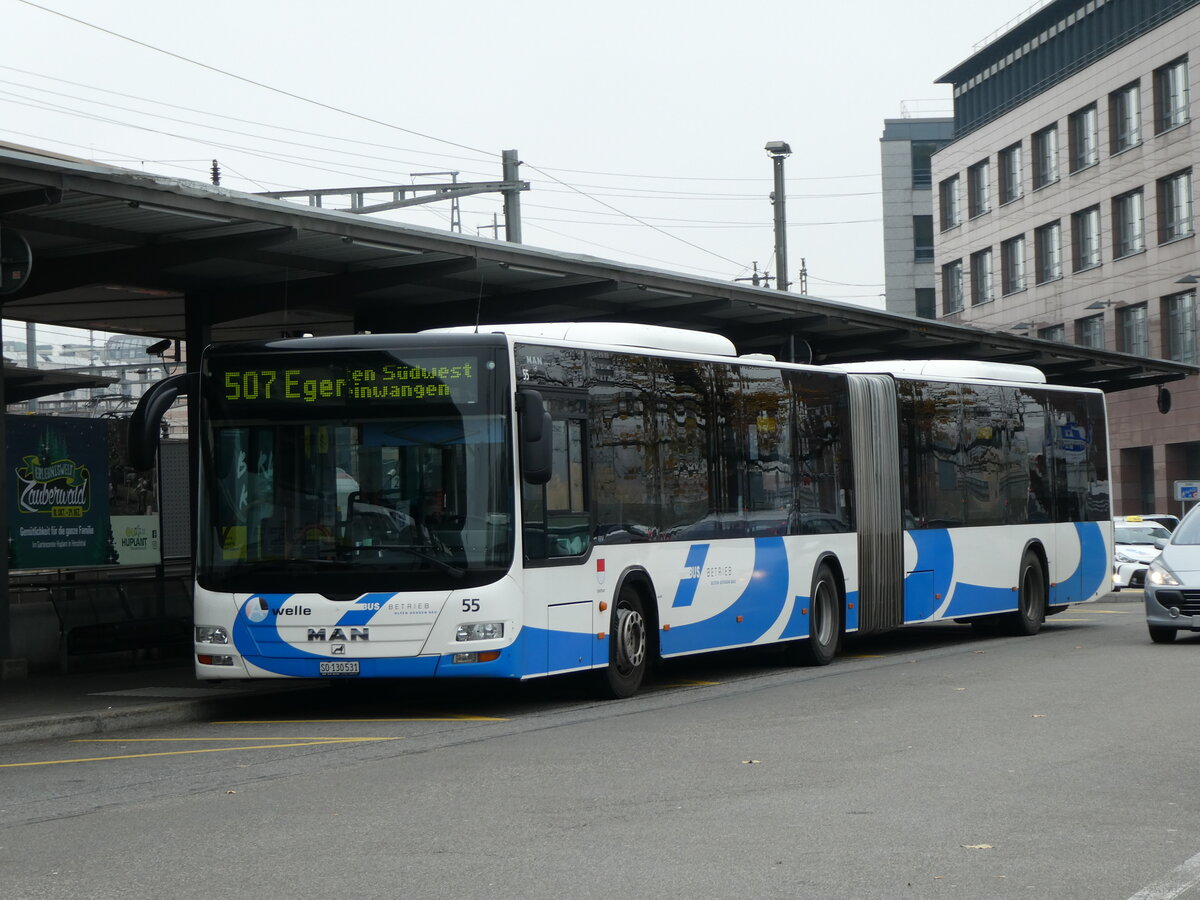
[527,500]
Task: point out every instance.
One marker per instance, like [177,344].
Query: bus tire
[1030,613]
[628,647]
[824,623]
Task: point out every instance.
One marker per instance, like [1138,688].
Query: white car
[1134,550]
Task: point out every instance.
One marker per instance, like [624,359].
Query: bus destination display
[244,385]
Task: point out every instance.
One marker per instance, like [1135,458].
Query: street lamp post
[779,151]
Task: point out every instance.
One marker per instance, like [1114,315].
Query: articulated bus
[527,500]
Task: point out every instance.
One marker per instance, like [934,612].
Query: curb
[37,728]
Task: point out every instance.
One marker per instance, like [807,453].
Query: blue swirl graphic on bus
[759,606]
[685,593]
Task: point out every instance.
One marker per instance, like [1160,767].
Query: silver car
[1173,583]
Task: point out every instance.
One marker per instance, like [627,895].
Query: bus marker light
[739,618]
[600,635]
[603,605]
[804,610]
[666,628]
[206,660]
[489,655]
[849,606]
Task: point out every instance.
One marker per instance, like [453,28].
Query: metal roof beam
[143,265]
[29,199]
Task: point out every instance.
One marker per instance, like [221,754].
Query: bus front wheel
[628,647]
[824,623]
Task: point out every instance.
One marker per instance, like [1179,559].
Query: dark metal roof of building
[126,251]
[21,384]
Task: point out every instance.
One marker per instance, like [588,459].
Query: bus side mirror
[535,430]
[144,422]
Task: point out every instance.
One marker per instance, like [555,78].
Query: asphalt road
[924,763]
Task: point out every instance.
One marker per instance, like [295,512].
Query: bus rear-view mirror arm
[147,416]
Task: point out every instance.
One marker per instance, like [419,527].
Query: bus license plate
[339,667]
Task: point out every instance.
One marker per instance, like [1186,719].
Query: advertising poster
[58,512]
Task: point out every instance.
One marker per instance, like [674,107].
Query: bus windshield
[354,471]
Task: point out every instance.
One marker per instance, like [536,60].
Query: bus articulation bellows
[526,500]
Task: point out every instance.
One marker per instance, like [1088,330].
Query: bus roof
[622,334]
[955,369]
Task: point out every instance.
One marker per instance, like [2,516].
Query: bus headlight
[480,631]
[211,634]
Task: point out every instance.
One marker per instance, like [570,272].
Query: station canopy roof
[126,251]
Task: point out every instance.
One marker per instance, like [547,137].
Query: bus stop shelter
[127,251]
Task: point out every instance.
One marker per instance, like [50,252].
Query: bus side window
[557,515]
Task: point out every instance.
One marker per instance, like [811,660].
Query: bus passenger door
[556,537]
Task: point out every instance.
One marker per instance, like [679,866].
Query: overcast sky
[641,124]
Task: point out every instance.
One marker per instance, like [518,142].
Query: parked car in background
[1134,548]
[1166,520]
[1173,583]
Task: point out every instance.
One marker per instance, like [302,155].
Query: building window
[1054,333]
[1010,173]
[1175,206]
[1179,312]
[981,277]
[1089,332]
[923,238]
[1129,235]
[1012,265]
[1045,157]
[922,163]
[927,303]
[1125,117]
[952,287]
[1084,139]
[1171,95]
[978,185]
[949,202]
[1132,328]
[1085,237]
[1048,252]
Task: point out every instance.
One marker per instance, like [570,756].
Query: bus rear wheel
[628,647]
[824,623]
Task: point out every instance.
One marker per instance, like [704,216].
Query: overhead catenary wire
[593,194]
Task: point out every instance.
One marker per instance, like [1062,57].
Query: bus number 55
[470,606]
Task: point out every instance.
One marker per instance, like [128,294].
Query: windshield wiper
[419,551]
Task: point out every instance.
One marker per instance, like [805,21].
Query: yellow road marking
[351,721]
[272,746]
[188,740]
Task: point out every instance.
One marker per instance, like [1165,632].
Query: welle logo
[60,488]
